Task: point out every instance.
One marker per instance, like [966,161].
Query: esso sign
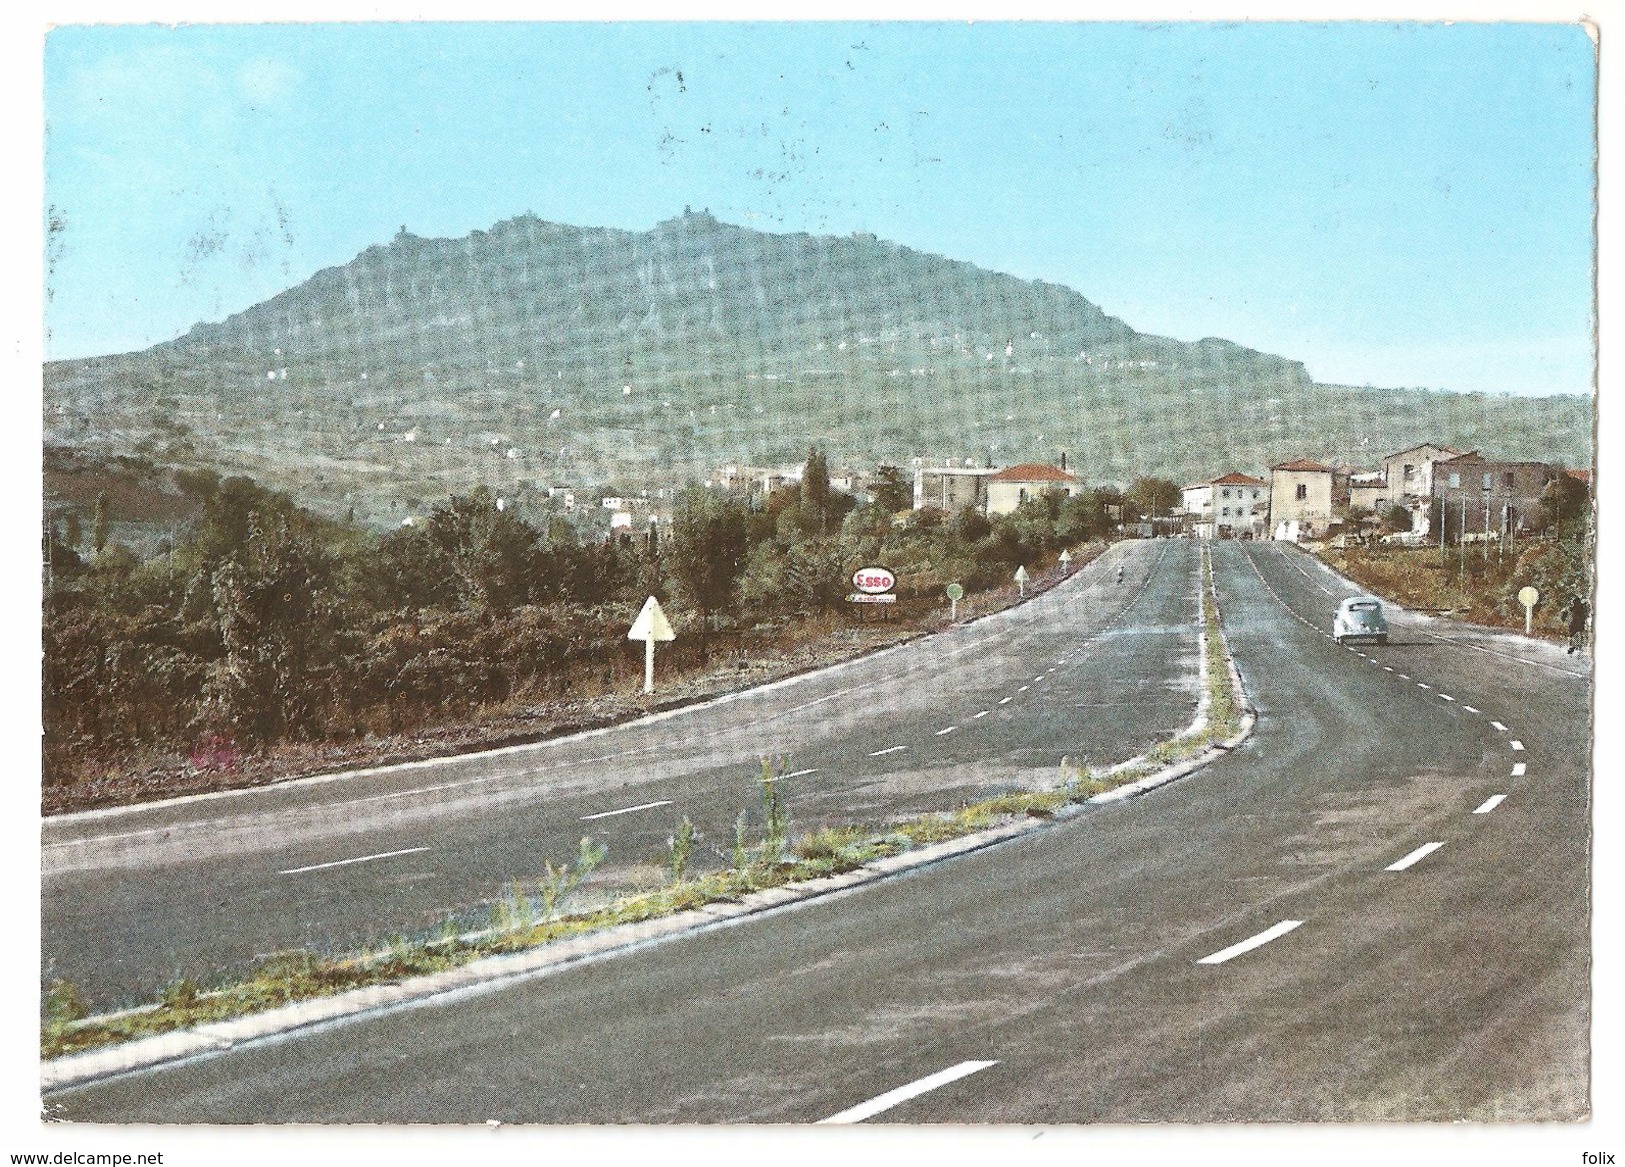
[873,580]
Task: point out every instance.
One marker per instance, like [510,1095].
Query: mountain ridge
[594,355]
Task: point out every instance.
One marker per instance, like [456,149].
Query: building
[1489,498]
[1303,497]
[951,488]
[1369,489]
[1410,481]
[1014,485]
[1234,506]
[1410,472]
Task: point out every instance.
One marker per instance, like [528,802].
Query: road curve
[1092,670]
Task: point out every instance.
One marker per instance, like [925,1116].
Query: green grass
[518,922]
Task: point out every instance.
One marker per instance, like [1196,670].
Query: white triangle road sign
[651,623]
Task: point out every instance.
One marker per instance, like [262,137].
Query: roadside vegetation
[260,640]
[766,853]
[1479,582]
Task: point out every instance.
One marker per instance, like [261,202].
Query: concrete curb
[495,972]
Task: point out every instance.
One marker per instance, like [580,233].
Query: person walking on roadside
[1576,613]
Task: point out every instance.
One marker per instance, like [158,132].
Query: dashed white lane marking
[1499,726]
[1403,676]
[604,814]
[1005,700]
[1516,744]
[950,729]
[1023,689]
[1415,856]
[1490,803]
[357,859]
[1423,685]
[983,713]
[1469,709]
[1446,697]
[1518,769]
[799,773]
[1040,677]
[1273,932]
[1387,668]
[902,1094]
[887,750]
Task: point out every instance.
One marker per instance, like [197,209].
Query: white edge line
[1415,856]
[347,862]
[1275,931]
[903,1093]
[1490,803]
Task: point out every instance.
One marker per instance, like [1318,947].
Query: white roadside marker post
[650,626]
[1021,581]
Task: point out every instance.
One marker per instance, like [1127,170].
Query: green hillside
[537,353]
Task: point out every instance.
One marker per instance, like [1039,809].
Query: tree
[1565,499]
[815,491]
[1152,496]
[892,493]
[1397,518]
[488,550]
[707,551]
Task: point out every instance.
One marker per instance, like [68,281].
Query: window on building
[1487,477]
[1302,492]
[1455,478]
[1227,512]
[1226,493]
[1509,479]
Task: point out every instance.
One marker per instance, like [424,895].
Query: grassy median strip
[528,916]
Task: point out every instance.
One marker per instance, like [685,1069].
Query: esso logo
[873,580]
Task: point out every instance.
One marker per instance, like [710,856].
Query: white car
[1360,618]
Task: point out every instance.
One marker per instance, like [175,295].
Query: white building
[1235,505]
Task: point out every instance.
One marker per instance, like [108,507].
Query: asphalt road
[1374,909]
[1092,670]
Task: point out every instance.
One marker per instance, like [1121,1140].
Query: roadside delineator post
[650,626]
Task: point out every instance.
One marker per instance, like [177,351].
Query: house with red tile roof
[1014,485]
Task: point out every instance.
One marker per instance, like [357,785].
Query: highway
[1375,909]
[201,888]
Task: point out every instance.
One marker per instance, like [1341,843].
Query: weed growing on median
[678,848]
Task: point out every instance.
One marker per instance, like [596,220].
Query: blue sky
[1405,205]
